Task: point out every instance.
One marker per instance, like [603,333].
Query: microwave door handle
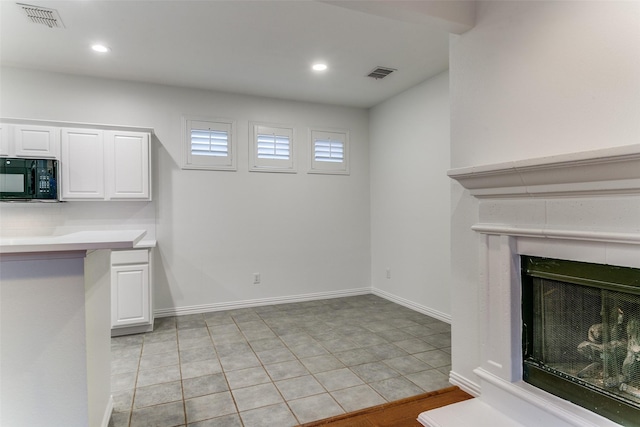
[33,181]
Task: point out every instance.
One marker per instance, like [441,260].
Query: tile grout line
[265,369]
[273,382]
[311,374]
[299,361]
[184,401]
[289,346]
[233,397]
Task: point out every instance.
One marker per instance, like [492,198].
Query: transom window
[209,144]
[271,148]
[329,151]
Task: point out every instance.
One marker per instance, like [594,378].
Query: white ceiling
[260,48]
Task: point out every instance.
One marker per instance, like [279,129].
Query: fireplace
[580,207]
[581,334]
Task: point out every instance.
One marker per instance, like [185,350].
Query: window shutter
[271,148]
[329,151]
[208,144]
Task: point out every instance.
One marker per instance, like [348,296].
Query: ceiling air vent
[381,72]
[42,15]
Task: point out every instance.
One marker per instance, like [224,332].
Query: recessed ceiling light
[319,67]
[100,48]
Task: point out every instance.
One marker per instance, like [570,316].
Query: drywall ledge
[608,171]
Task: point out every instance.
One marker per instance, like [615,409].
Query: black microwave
[28,180]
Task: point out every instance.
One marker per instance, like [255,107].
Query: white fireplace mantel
[579,206]
[607,171]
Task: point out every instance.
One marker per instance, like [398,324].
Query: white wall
[410,196]
[304,233]
[533,79]
[44,362]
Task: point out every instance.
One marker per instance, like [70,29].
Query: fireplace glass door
[581,334]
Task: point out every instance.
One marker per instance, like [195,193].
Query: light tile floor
[278,365]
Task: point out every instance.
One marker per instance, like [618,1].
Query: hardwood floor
[401,413]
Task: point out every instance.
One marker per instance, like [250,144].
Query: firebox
[581,334]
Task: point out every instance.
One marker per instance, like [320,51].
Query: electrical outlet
[256,278]
[388,273]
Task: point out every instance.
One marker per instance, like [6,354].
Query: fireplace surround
[582,207]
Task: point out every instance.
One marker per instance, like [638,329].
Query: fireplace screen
[581,334]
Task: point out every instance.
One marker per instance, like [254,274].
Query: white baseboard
[412,305]
[206,308]
[107,413]
[465,384]
[128,330]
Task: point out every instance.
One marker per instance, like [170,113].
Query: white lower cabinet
[131,296]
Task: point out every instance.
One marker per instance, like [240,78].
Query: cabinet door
[36,141]
[127,162]
[130,303]
[4,139]
[82,164]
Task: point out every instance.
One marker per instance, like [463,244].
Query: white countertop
[82,240]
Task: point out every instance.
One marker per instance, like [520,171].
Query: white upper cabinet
[105,165]
[127,163]
[4,140]
[36,141]
[101,163]
[29,140]
[82,164]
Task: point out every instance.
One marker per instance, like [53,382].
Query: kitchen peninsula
[55,328]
